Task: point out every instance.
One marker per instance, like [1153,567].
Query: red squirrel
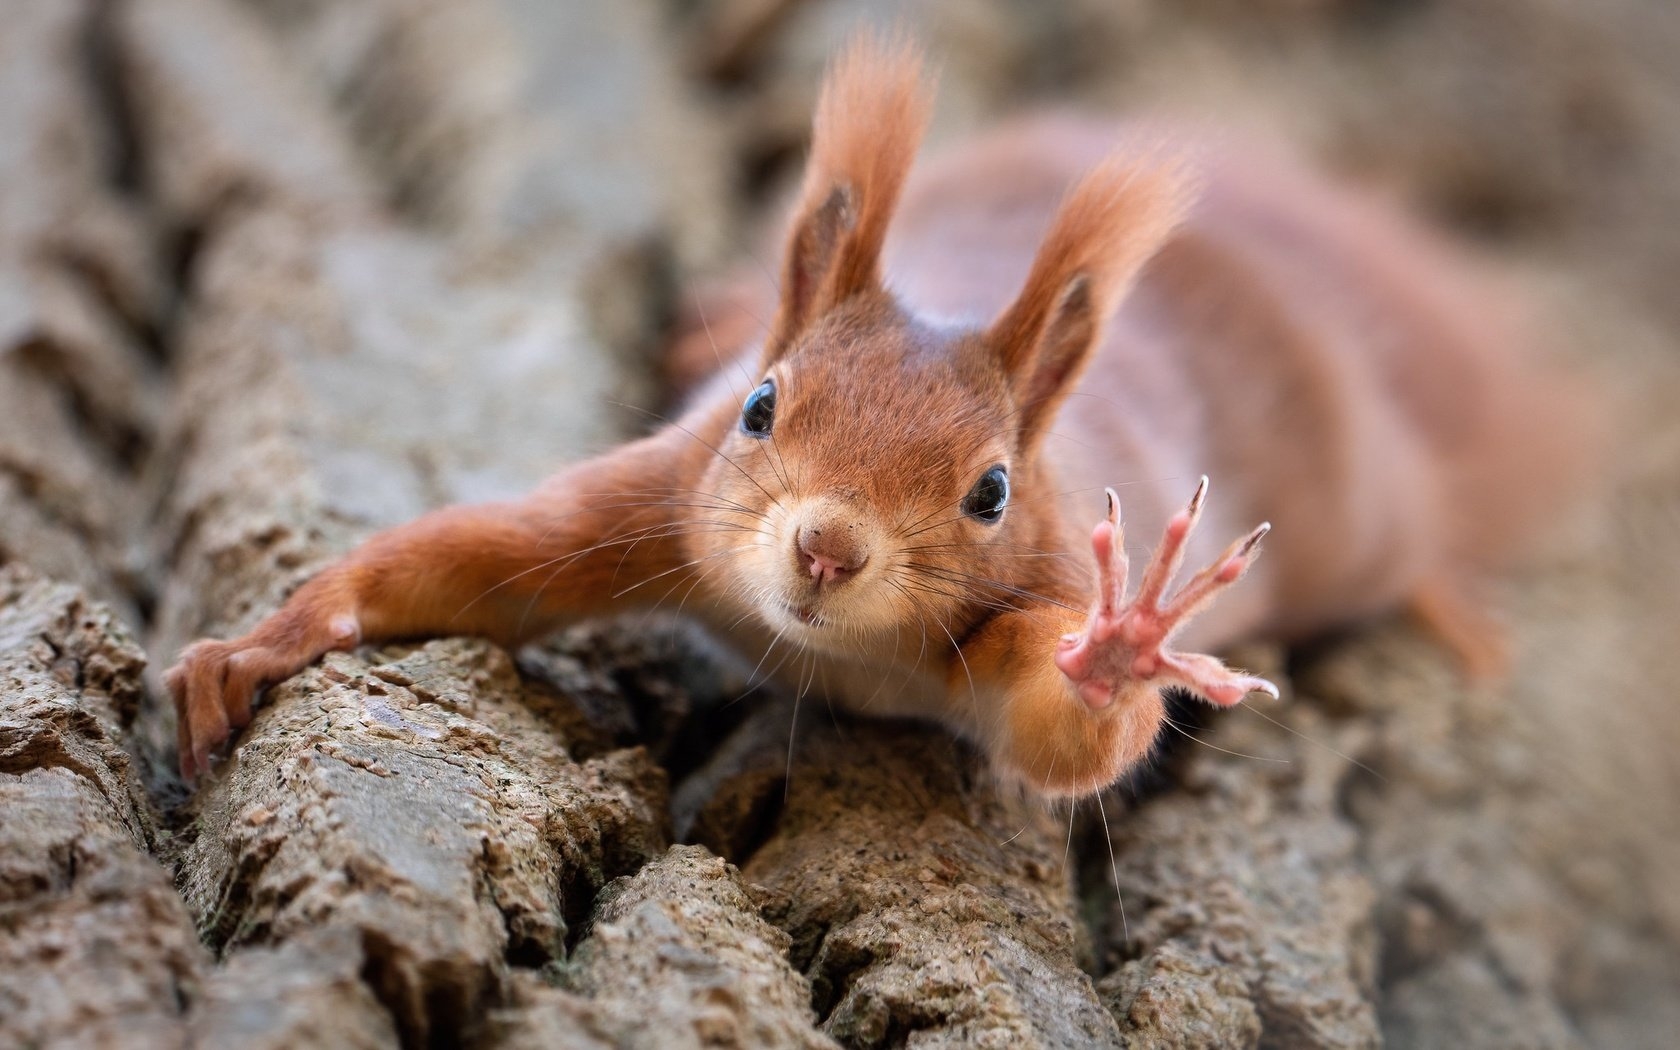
[893,482]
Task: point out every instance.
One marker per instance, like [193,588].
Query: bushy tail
[1539,451]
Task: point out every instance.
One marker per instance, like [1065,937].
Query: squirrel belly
[981,388]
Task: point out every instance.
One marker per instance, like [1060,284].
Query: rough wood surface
[276,274]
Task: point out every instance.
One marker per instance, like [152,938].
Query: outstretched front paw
[214,683]
[1123,647]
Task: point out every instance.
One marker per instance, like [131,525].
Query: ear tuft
[1111,223]
[874,108]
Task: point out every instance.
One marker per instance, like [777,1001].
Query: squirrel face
[880,487]
[871,469]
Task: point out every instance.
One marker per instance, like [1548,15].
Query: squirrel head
[890,465]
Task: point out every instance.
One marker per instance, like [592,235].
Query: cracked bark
[95,946]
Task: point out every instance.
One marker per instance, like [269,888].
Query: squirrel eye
[986,499]
[759,411]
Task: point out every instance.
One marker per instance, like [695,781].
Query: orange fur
[1341,374]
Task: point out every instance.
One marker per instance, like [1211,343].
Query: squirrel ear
[870,118]
[1111,224]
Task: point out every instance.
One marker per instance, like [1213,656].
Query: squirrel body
[887,495]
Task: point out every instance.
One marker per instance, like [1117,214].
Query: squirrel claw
[214,683]
[212,686]
[1123,645]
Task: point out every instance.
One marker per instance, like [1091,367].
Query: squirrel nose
[830,556]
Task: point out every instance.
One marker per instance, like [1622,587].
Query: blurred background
[274,273]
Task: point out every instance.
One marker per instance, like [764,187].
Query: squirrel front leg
[505,571]
[1080,696]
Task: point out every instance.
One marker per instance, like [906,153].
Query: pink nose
[830,556]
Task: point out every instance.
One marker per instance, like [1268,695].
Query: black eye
[759,411]
[986,499]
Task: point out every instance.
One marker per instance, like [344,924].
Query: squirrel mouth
[805,614]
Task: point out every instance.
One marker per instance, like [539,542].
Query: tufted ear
[870,118]
[1112,222]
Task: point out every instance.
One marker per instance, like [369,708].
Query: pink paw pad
[1123,645]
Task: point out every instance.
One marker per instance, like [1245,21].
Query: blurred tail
[1537,451]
